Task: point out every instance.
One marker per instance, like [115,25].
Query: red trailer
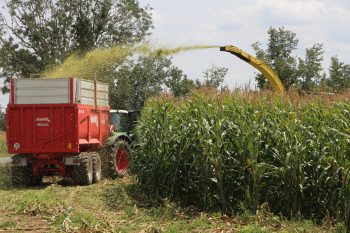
[55,126]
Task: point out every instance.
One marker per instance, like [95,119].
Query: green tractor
[116,153]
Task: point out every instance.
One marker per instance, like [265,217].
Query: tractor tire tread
[108,158]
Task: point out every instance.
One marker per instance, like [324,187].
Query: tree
[278,56]
[339,75]
[310,70]
[178,83]
[261,54]
[135,81]
[2,120]
[214,76]
[43,33]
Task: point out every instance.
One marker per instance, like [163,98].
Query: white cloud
[242,22]
[296,11]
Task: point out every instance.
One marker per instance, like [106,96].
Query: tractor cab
[123,121]
[122,124]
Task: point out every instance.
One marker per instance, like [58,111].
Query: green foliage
[179,84]
[228,151]
[254,228]
[310,70]
[43,33]
[278,55]
[306,74]
[135,81]
[215,76]
[2,121]
[339,75]
[115,206]
[38,203]
[261,54]
[67,221]
[3,147]
[7,224]
[5,178]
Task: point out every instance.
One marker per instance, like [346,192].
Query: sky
[241,23]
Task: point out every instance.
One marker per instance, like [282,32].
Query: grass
[7,224]
[120,206]
[3,148]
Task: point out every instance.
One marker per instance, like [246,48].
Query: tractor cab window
[119,121]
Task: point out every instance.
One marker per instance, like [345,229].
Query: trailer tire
[115,160]
[106,158]
[96,167]
[83,173]
[36,180]
[22,176]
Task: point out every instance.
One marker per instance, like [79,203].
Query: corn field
[240,150]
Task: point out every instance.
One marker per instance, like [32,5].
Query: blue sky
[241,23]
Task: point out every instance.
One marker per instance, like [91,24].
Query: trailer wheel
[83,173]
[36,180]
[115,160]
[20,176]
[107,169]
[96,167]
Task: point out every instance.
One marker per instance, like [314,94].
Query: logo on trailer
[43,121]
[94,120]
[16,146]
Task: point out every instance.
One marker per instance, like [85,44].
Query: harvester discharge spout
[268,73]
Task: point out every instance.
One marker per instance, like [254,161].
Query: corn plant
[234,150]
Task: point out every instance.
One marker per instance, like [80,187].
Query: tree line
[304,74]
[36,35]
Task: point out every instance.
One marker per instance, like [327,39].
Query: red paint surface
[49,132]
[56,128]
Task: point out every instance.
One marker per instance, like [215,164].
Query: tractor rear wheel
[116,160]
[83,173]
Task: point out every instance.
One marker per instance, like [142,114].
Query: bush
[238,151]
[2,121]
